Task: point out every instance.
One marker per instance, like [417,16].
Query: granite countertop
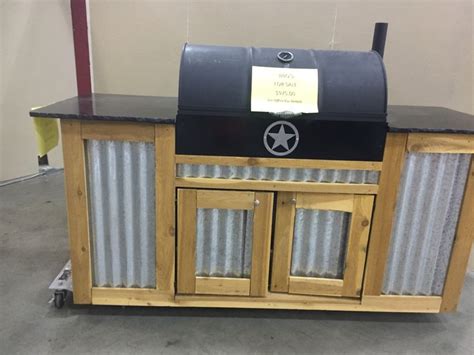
[428,119]
[157,109]
[110,107]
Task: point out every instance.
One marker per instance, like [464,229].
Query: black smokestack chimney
[380,34]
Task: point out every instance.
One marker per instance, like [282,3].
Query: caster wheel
[59,299]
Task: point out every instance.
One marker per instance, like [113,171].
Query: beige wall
[37,68]
[429,55]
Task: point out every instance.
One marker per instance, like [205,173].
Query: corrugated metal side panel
[277,174]
[319,243]
[224,242]
[121,183]
[426,216]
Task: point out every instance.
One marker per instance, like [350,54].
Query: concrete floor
[34,247]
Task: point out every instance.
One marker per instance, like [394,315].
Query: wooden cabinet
[224,242]
[320,243]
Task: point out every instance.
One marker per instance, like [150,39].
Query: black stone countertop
[109,107]
[428,119]
[156,109]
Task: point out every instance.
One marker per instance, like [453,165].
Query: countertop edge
[104,118]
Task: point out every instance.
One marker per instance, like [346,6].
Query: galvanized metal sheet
[319,243]
[121,183]
[426,216]
[277,174]
[224,242]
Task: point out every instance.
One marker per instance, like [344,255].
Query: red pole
[81,47]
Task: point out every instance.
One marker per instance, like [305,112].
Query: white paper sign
[284,90]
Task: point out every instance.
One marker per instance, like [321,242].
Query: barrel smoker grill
[214,116]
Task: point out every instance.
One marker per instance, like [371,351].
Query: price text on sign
[284,89]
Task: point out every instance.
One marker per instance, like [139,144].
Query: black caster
[59,299]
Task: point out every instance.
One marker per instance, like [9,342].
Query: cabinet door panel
[320,243]
[223,242]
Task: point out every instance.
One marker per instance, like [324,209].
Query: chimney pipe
[380,34]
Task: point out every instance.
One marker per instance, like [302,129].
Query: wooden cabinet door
[224,242]
[320,243]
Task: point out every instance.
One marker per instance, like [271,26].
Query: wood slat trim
[131,297]
[262,232]
[279,163]
[237,200]
[186,241]
[283,241]
[122,131]
[230,184]
[385,204]
[440,143]
[77,210]
[414,304]
[461,248]
[147,297]
[223,286]
[357,245]
[332,202]
[315,286]
[165,207]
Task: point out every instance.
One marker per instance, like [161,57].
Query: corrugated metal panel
[277,174]
[224,242]
[427,212]
[121,182]
[319,243]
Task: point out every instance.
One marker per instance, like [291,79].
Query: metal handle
[293,201]
[256,202]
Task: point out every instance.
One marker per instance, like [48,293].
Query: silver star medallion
[281,132]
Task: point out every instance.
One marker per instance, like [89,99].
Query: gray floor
[33,248]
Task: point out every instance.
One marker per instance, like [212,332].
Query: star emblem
[281,138]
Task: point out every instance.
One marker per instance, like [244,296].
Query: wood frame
[77,210]
[389,182]
[461,248]
[74,134]
[278,162]
[350,286]
[399,304]
[261,185]
[440,143]
[188,203]
[397,145]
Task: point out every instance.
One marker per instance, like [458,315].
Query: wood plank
[357,245]
[262,232]
[237,200]
[231,184]
[385,203]
[440,143]
[331,202]
[223,286]
[147,297]
[414,304]
[315,286]
[165,207]
[77,210]
[283,241]
[121,131]
[461,248]
[279,163]
[131,297]
[186,241]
